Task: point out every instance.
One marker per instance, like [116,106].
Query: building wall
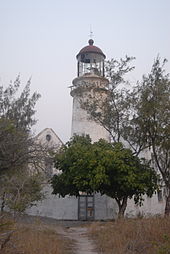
[55,207]
[151,206]
[105,207]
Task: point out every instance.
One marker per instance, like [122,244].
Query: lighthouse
[90,82]
[90,85]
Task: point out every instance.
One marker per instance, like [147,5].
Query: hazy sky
[40,38]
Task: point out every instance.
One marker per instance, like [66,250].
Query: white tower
[90,80]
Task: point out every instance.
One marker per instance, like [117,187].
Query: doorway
[86,207]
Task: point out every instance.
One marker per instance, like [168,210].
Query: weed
[133,236]
[36,238]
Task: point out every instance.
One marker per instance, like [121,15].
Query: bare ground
[75,231]
[82,244]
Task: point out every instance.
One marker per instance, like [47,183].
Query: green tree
[72,156]
[19,153]
[21,190]
[151,117]
[18,107]
[16,119]
[103,167]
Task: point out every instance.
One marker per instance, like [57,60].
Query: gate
[86,207]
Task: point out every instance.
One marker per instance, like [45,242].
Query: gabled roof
[51,130]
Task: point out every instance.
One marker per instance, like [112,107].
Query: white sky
[40,38]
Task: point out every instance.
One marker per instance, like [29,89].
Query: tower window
[87,61]
[48,137]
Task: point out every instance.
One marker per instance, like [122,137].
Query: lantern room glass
[90,63]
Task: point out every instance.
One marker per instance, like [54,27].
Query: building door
[86,207]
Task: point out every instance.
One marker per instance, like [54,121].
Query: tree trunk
[3,202]
[167,206]
[122,207]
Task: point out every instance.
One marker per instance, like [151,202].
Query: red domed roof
[91,49]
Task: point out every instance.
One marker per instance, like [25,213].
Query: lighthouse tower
[90,81]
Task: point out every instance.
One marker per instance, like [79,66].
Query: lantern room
[90,60]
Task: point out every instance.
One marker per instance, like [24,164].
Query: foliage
[103,167]
[14,145]
[19,153]
[111,111]
[151,102]
[152,115]
[17,146]
[127,175]
[21,190]
[73,162]
[18,108]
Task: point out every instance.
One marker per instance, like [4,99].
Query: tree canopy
[103,167]
[18,150]
[18,107]
[151,104]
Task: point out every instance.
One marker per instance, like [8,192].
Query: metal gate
[86,207]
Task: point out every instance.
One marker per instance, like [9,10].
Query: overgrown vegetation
[35,238]
[133,236]
[151,107]
[21,158]
[20,191]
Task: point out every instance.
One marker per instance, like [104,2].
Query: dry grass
[36,238]
[133,236]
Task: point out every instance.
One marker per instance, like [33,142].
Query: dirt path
[76,231]
[82,244]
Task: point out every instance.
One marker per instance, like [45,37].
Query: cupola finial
[91,42]
[91,33]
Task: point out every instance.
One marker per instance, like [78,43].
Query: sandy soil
[82,243]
